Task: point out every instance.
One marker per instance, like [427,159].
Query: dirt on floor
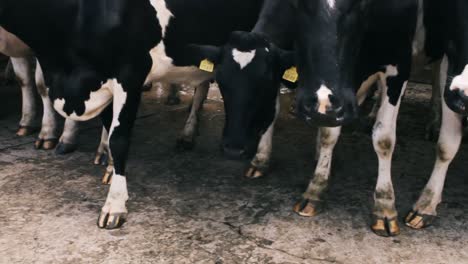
[195,207]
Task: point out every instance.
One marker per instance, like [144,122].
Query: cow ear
[288,68]
[199,55]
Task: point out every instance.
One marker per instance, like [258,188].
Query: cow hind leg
[186,140]
[121,120]
[385,221]
[424,211]
[47,138]
[23,71]
[312,202]
[68,140]
[433,126]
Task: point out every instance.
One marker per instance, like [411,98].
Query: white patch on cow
[96,103]
[460,82]
[116,198]
[267,49]
[163,69]
[12,46]
[243,58]
[163,14]
[420,34]
[120,97]
[331,3]
[363,92]
[323,99]
[391,71]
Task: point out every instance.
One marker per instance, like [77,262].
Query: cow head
[328,43]
[249,71]
[456,62]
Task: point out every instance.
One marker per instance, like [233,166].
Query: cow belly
[163,70]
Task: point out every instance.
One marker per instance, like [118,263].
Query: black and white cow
[446,25]
[249,71]
[22,61]
[345,46]
[98,54]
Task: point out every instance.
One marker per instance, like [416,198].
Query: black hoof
[416,220]
[110,221]
[385,227]
[64,148]
[308,208]
[184,144]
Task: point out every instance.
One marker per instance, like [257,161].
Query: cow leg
[433,127]
[68,140]
[121,119]
[312,203]
[173,97]
[47,138]
[23,71]
[424,211]
[186,140]
[384,136]
[103,157]
[261,162]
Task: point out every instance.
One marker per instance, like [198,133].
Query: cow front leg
[186,140]
[261,162]
[25,76]
[424,211]
[123,115]
[68,140]
[47,138]
[312,202]
[385,221]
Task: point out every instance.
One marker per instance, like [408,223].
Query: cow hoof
[173,101]
[24,131]
[254,172]
[416,220]
[308,208]
[111,221]
[185,144]
[107,178]
[64,148]
[385,227]
[45,144]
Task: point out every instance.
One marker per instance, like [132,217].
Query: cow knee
[384,145]
[446,151]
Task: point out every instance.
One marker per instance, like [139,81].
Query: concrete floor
[196,208]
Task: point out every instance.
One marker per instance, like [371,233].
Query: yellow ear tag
[206,65]
[291,75]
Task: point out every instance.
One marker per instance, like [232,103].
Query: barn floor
[195,207]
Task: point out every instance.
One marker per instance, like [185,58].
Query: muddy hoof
[111,221]
[107,178]
[185,144]
[64,148]
[308,208]
[385,227]
[24,131]
[254,172]
[173,101]
[45,144]
[416,220]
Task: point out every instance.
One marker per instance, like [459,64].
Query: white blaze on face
[97,102]
[243,58]
[460,82]
[331,3]
[323,99]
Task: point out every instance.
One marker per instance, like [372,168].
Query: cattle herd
[94,57]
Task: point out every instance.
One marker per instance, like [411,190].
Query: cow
[99,54]
[249,71]
[447,39]
[22,61]
[345,47]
